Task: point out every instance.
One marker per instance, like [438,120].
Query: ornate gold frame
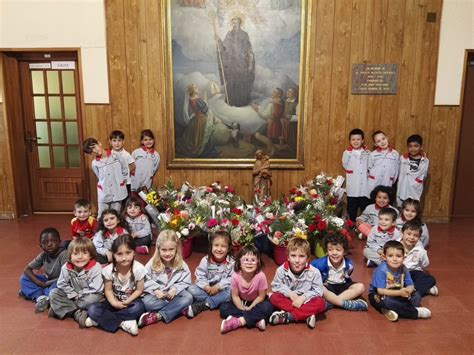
[238,163]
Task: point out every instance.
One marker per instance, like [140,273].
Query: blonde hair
[298,243]
[167,235]
[81,244]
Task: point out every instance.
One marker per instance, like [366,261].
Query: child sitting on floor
[83,224]
[411,211]
[139,225]
[111,226]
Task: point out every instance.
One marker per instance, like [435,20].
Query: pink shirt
[258,283]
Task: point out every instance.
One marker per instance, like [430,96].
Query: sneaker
[423,312]
[80,316]
[261,325]
[130,326]
[433,291]
[280,317]
[360,236]
[196,308]
[148,318]
[90,323]
[355,305]
[370,263]
[328,306]
[311,321]
[392,316]
[143,249]
[229,324]
[42,304]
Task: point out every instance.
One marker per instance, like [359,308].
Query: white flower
[339,222]
[178,234]
[191,226]
[269,215]
[185,232]
[165,217]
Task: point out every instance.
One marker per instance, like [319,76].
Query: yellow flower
[298,233]
[299,198]
[174,222]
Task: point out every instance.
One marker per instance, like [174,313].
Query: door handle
[29,141]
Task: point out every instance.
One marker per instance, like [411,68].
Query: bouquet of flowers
[178,221]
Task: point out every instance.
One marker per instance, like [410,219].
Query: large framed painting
[236,77]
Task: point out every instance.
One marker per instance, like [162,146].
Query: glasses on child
[248,261]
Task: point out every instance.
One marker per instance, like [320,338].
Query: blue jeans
[211,301]
[110,318]
[32,291]
[423,281]
[262,310]
[406,308]
[168,310]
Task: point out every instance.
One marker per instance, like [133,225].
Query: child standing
[297,287]
[139,225]
[147,161]
[116,141]
[80,283]
[83,224]
[37,287]
[336,269]
[411,211]
[111,172]
[123,285]
[249,305]
[212,286]
[391,289]
[379,235]
[413,170]
[354,161]
[416,259]
[383,163]
[111,226]
[165,291]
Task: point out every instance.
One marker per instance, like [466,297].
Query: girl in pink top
[249,305]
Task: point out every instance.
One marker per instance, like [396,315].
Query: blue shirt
[383,277]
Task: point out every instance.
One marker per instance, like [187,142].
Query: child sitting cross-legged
[336,269]
[297,287]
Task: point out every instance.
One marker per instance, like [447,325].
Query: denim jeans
[168,310]
[406,308]
[262,310]
[32,291]
[423,281]
[110,318]
[212,301]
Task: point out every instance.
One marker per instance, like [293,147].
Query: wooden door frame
[15,122]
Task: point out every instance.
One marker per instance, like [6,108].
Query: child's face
[414,149]
[386,222]
[116,143]
[50,243]
[290,93]
[97,150]
[297,259]
[409,212]
[356,141]
[248,263]
[219,248]
[335,253]
[133,210]
[82,212]
[382,199]
[124,256]
[168,252]
[110,221]
[394,258]
[148,142]
[381,141]
[410,238]
[275,94]
[80,258]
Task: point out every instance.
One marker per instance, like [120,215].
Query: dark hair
[88,143]
[116,134]
[146,133]
[219,234]
[416,205]
[388,211]
[49,230]
[393,244]
[121,222]
[129,242]
[377,132]
[413,225]
[280,91]
[82,202]
[386,190]
[335,239]
[132,201]
[415,138]
[356,132]
[252,250]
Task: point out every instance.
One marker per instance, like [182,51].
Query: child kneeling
[297,287]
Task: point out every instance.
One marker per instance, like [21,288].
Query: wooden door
[52,132]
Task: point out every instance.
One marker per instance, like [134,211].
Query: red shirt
[87,227]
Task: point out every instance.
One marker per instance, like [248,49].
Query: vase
[279,254]
[187,247]
[319,250]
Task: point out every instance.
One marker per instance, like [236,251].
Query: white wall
[61,24]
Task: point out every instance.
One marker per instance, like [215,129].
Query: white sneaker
[90,323]
[130,326]
[433,291]
[311,321]
[423,312]
[261,325]
[392,316]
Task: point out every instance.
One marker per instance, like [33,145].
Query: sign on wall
[374,79]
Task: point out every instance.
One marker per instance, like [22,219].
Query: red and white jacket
[410,182]
[355,162]
[383,168]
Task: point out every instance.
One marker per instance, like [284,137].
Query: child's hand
[207,288]
[358,222]
[171,293]
[119,305]
[380,252]
[159,294]
[298,301]
[405,292]
[214,290]
[108,254]
[81,233]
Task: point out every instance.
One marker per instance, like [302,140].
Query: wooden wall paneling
[142,65]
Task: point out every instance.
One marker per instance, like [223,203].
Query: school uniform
[141,226]
[412,175]
[128,159]
[425,235]
[103,243]
[383,168]
[371,214]
[376,240]
[335,280]
[416,260]
[147,162]
[85,228]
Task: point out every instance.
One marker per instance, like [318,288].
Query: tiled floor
[451,329]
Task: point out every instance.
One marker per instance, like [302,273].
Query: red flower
[236,211]
[321,225]
[211,223]
[298,193]
[312,227]
[333,201]
[235,222]
[293,190]
[317,218]
[229,189]
[329,182]
[349,223]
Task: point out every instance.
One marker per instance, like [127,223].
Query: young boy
[354,161]
[116,141]
[111,172]
[416,259]
[83,224]
[383,163]
[413,170]
[297,287]
[391,289]
[336,270]
[379,235]
[37,287]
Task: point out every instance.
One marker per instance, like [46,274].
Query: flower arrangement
[178,221]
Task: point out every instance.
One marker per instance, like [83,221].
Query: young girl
[169,277]
[212,286]
[124,282]
[140,228]
[80,283]
[111,226]
[147,161]
[411,210]
[381,196]
[249,305]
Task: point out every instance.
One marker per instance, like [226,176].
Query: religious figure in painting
[262,176]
